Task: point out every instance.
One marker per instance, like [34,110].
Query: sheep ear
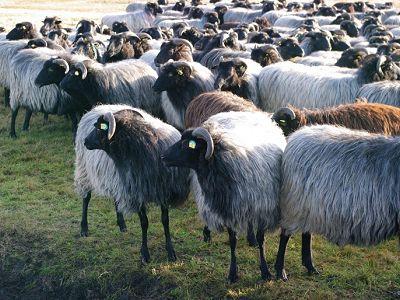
[109,117]
[203,134]
[382,59]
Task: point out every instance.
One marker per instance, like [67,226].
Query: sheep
[25,66]
[352,58]
[49,24]
[212,59]
[289,48]
[175,49]
[387,92]
[43,43]
[180,82]
[59,36]
[86,45]
[135,141]
[241,15]
[120,47]
[316,41]
[239,76]
[228,187]
[320,58]
[125,82]
[375,117]
[135,20]
[23,30]
[320,167]
[266,55]
[283,83]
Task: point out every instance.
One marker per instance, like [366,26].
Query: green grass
[43,256]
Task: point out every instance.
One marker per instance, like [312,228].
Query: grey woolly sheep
[134,140]
[340,183]
[387,92]
[236,175]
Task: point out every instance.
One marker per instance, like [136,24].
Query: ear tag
[283,122]
[192,144]
[103,126]
[33,46]
[180,72]
[23,27]
[76,73]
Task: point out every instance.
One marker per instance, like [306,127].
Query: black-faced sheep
[228,187]
[135,142]
[266,55]
[49,24]
[180,82]
[340,183]
[23,30]
[175,49]
[352,58]
[120,47]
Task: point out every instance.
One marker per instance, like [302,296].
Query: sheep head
[289,48]
[23,30]
[176,49]
[119,27]
[377,68]
[266,55]
[120,47]
[194,147]
[230,73]
[36,43]
[153,9]
[50,23]
[286,119]
[352,58]
[173,75]
[53,71]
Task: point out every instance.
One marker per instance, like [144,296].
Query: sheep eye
[192,144]
[103,126]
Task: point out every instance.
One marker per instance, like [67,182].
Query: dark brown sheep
[373,117]
[207,104]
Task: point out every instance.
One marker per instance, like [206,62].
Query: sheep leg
[206,234]
[265,274]
[144,223]
[84,222]
[120,218]
[280,257]
[232,277]
[306,257]
[251,239]
[6,97]
[45,118]
[168,242]
[28,115]
[74,125]
[14,114]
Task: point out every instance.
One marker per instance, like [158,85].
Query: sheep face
[23,30]
[36,43]
[154,32]
[289,48]
[378,68]
[261,38]
[287,120]
[193,35]
[86,26]
[326,11]
[350,28]
[187,152]
[229,75]
[319,41]
[211,17]
[119,27]
[351,58]
[266,56]
[174,50]
[119,48]
[58,35]
[173,75]
[98,138]
[339,19]
[85,45]
[153,8]
[50,23]
[178,6]
[53,71]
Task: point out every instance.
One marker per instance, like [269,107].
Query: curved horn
[100,43]
[379,63]
[109,117]
[63,63]
[183,42]
[202,133]
[144,35]
[82,68]
[284,111]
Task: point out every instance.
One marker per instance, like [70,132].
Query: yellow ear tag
[180,72]
[76,73]
[103,126]
[283,122]
[192,144]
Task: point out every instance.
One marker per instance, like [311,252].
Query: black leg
[144,223]
[251,239]
[206,234]
[28,115]
[45,118]
[14,114]
[280,257]
[232,277]
[6,97]
[168,242]
[265,274]
[74,123]
[84,222]
[306,257]
[120,218]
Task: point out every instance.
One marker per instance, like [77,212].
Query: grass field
[42,255]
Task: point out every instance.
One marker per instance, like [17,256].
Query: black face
[388,69]
[50,73]
[351,58]
[85,45]
[289,48]
[114,46]
[166,53]
[265,57]
[98,138]
[21,31]
[50,24]
[261,38]
[119,27]
[185,153]
[73,84]
[193,35]
[36,43]
[350,28]
[179,6]
[171,76]
[154,9]
[212,18]
[286,123]
[320,42]
[229,74]
[85,26]
[326,11]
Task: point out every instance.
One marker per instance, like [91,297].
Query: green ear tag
[192,144]
[76,73]
[283,122]
[103,126]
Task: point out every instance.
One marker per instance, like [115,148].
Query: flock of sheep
[273,115]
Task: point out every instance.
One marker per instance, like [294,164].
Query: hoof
[266,276]
[144,256]
[123,229]
[84,233]
[312,271]
[13,136]
[232,278]
[172,256]
[281,275]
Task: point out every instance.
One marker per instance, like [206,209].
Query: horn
[144,35]
[284,111]
[109,117]
[82,67]
[379,63]
[183,42]
[63,63]
[222,38]
[202,133]
[183,63]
